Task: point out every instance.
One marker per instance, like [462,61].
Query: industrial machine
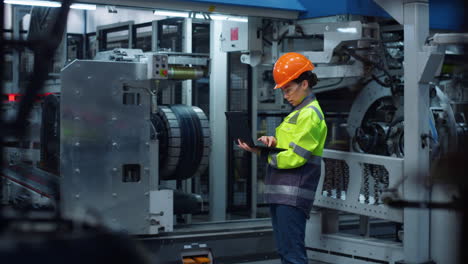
[395,101]
[115,130]
[121,119]
[388,113]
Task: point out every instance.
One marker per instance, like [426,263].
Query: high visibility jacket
[293,174]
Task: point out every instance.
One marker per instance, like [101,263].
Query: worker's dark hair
[309,76]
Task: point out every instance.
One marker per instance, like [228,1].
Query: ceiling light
[49,4]
[83,6]
[347,30]
[33,3]
[170,13]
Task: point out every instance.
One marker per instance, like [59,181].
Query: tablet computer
[239,128]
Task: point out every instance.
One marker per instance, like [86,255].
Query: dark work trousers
[289,231]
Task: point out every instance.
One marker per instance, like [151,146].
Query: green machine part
[186,73]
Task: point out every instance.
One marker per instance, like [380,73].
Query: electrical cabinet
[241,36]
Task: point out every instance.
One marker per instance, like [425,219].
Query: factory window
[131,173]
[143,36]
[170,34]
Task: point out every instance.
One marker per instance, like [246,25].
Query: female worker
[293,174]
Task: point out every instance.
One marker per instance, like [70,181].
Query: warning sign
[234,33]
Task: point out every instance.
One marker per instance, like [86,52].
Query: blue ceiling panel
[446,14]
[341,7]
[289,5]
[443,14]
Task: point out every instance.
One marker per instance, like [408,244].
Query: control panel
[158,67]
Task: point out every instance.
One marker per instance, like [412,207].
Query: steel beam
[254,100]
[218,103]
[416,114]
[187,48]
[187,94]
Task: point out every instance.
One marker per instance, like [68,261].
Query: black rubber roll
[184,141]
[192,141]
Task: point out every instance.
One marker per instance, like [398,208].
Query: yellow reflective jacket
[293,175]
[302,133]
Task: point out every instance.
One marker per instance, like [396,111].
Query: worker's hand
[246,147]
[268,140]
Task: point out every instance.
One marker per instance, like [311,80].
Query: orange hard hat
[289,66]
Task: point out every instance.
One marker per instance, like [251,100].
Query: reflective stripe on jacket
[293,174]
